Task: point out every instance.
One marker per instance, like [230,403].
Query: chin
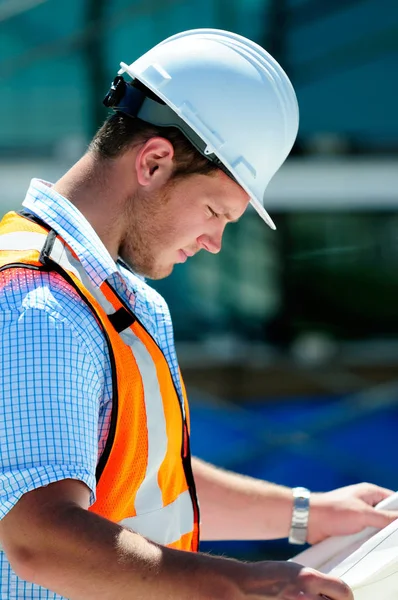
[149,269]
[157,271]
[160,273]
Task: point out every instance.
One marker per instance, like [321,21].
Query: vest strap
[121,319]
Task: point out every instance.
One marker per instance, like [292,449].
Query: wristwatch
[300,514]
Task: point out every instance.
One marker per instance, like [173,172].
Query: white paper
[367,561]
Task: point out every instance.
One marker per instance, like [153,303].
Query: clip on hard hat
[132,97]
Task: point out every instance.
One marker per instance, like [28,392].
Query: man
[98,489]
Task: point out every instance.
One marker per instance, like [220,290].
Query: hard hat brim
[262,212]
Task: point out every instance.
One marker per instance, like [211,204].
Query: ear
[154,163]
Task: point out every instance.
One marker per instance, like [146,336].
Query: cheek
[180,229]
[194,225]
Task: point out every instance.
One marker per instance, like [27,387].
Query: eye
[213,213]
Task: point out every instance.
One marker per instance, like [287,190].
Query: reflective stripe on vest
[145,481]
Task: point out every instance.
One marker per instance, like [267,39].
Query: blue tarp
[320,443]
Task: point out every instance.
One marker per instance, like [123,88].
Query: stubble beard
[138,249]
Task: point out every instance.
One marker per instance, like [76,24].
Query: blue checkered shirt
[55,374]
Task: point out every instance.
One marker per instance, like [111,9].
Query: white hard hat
[230,98]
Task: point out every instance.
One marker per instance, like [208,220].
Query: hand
[347,510]
[290,581]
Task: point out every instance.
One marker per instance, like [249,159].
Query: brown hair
[120,132]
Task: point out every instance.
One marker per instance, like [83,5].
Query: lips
[185,254]
[182,256]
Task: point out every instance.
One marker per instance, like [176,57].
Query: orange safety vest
[144,475]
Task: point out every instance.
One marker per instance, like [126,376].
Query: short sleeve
[51,383]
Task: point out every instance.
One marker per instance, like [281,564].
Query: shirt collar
[61,215]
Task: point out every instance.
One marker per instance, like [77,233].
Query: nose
[211,243]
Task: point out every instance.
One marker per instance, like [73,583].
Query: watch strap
[300,515]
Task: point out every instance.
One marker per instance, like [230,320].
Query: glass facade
[318,271]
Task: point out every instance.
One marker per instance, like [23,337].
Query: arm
[52,540]
[237,507]
[234,506]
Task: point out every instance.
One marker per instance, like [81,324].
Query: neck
[95,187]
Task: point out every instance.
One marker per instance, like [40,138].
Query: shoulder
[25,290]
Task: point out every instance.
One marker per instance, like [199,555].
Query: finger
[380,518]
[373,494]
[318,584]
[307,596]
[304,596]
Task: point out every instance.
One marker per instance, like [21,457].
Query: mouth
[182,256]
